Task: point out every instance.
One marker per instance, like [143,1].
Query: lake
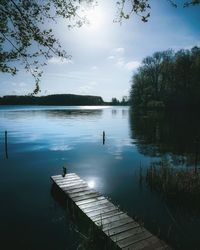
[43,139]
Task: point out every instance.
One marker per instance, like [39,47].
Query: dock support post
[6,144]
[104,137]
[64,171]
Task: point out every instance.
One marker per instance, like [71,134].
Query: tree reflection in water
[166,134]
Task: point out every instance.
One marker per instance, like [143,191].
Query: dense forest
[168,79]
[62,99]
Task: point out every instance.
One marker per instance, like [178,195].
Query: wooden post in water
[104,137]
[6,144]
[64,171]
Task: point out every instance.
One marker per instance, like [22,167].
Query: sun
[95,17]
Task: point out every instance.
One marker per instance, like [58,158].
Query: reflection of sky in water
[62,129]
[73,136]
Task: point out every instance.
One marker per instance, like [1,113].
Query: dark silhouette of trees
[123,102]
[168,79]
[115,101]
[62,99]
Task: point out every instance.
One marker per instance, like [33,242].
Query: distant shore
[57,100]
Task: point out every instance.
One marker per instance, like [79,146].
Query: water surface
[43,139]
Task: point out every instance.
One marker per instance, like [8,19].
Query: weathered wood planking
[121,229]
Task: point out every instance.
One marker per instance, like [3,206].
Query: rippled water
[41,140]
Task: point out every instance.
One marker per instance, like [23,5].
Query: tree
[124,100]
[115,101]
[168,79]
[24,37]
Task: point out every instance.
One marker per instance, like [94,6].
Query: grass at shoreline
[181,185]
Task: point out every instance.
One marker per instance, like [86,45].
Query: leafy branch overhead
[142,8]
[26,38]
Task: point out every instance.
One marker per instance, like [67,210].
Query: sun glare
[95,17]
[91,184]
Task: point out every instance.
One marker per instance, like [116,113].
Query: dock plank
[60,177]
[122,230]
[69,188]
[134,239]
[152,243]
[97,206]
[80,194]
[87,196]
[90,205]
[77,190]
[102,222]
[90,200]
[74,184]
[113,225]
[60,181]
[128,233]
[70,182]
[101,211]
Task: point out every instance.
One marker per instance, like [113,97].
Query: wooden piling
[6,144]
[64,171]
[104,137]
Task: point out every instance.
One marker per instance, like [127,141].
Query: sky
[106,54]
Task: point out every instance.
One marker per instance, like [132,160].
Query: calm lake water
[41,140]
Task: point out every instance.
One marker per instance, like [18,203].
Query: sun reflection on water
[91,183]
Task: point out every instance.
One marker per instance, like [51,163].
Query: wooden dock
[117,226]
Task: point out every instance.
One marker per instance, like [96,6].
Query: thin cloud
[132,65]
[59,61]
[116,53]
[119,51]
[120,62]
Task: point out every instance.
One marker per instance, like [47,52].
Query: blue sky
[105,54]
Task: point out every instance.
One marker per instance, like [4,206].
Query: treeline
[168,80]
[62,99]
[123,102]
